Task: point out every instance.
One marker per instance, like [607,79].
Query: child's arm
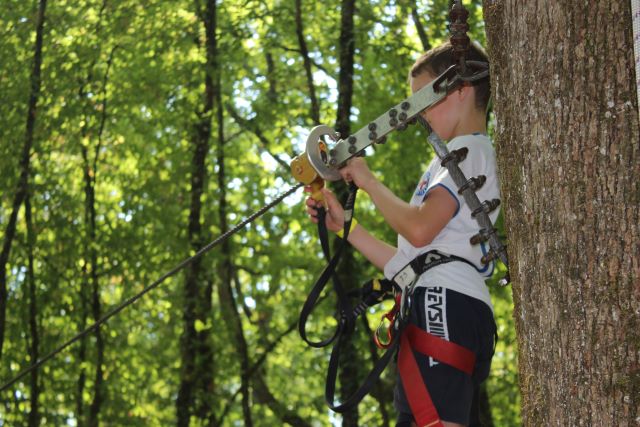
[418,224]
[374,249]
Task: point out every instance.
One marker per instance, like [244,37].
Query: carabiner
[391,317]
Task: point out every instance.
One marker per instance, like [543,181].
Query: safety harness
[401,337]
[321,162]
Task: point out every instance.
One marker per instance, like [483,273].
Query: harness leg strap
[414,338]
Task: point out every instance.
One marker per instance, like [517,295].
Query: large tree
[568,148]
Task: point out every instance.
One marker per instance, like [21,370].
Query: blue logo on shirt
[421,189]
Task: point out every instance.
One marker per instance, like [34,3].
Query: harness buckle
[405,279]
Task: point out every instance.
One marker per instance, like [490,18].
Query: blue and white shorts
[460,319]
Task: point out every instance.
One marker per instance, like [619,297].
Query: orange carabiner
[391,317]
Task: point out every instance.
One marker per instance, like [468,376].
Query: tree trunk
[382,390]
[568,143]
[196,383]
[304,51]
[279,409]
[96,310]
[34,413]
[347,47]
[351,358]
[417,22]
[91,249]
[23,182]
[225,269]
[89,267]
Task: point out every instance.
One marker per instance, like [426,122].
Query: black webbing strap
[420,264]
[433,258]
[346,319]
[369,381]
[347,315]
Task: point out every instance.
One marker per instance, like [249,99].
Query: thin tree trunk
[259,390]
[227,301]
[196,347]
[91,250]
[279,409]
[225,269]
[417,22]
[23,183]
[351,359]
[304,51]
[272,94]
[568,142]
[90,214]
[82,357]
[381,391]
[34,413]
[347,47]
[89,184]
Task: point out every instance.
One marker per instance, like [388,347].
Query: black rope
[152,286]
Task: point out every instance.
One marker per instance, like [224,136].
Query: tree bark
[23,182]
[34,412]
[196,382]
[568,143]
[304,51]
[263,393]
[351,359]
[347,47]
[90,170]
[279,409]
[417,22]
[381,391]
[228,304]
[96,310]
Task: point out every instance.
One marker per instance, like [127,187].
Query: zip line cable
[152,286]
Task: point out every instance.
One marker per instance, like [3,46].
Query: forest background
[134,132]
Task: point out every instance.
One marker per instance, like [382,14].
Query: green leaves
[155,54]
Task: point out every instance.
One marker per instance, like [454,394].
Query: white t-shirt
[454,237]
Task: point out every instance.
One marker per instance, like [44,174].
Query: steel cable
[152,286]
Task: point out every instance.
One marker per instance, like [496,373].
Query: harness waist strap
[405,277]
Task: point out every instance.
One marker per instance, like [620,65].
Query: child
[449,300]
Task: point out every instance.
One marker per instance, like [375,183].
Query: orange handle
[305,173]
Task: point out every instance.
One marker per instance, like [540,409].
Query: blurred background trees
[145,130]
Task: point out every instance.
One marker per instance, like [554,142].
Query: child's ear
[464,91]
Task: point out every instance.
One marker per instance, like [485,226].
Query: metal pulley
[312,167]
[320,155]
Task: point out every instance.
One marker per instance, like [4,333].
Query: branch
[103,115]
[313,61]
[251,126]
[304,51]
[420,28]
[252,370]
[236,281]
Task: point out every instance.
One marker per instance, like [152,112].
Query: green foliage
[125,80]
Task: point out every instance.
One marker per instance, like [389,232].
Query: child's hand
[335,212]
[357,171]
